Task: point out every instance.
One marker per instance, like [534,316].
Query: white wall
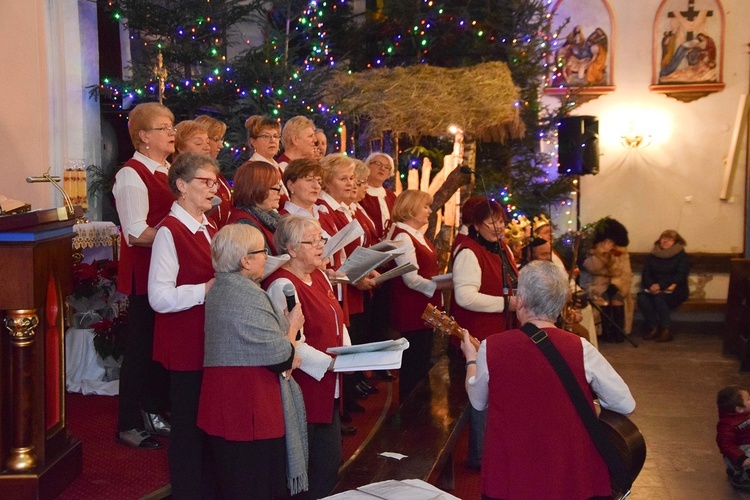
[675,182]
[49,52]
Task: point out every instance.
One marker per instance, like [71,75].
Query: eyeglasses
[216,139]
[255,252]
[268,137]
[166,129]
[311,178]
[277,189]
[209,182]
[317,243]
[380,164]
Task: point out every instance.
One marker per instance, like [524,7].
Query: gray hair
[290,231]
[544,289]
[384,155]
[231,243]
[361,170]
[185,166]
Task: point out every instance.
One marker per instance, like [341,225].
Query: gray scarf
[269,218]
[295,423]
[661,253]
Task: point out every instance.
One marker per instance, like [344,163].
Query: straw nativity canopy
[425,100]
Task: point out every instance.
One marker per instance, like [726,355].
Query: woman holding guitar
[484,281]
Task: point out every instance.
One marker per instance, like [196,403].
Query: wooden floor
[675,386]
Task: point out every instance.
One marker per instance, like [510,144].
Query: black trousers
[325,455]
[191,472]
[144,383]
[416,361]
[250,469]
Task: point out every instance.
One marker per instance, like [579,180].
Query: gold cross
[160,72]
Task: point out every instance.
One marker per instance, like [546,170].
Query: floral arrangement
[98,305]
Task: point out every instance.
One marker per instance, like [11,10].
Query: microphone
[289,292]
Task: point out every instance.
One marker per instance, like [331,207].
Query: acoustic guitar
[622,434]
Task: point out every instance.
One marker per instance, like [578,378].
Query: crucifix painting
[583,51]
[688,42]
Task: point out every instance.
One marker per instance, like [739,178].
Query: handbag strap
[588,416]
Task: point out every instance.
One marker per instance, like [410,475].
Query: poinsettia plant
[97,304]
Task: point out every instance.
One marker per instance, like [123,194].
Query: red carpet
[115,471]
[110,470]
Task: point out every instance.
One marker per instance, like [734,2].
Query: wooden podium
[38,459]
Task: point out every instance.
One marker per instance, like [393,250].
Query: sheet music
[273,262]
[362,261]
[348,233]
[391,246]
[387,359]
[395,273]
[398,344]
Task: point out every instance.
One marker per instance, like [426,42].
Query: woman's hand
[209,284]
[445,285]
[367,283]
[654,288]
[296,320]
[297,362]
[470,352]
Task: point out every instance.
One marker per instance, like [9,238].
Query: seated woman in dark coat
[664,284]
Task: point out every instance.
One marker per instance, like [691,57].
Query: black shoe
[348,431]
[651,334]
[346,417]
[137,438]
[353,407]
[359,393]
[367,387]
[740,482]
[155,424]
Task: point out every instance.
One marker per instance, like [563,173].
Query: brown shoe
[651,334]
[664,336]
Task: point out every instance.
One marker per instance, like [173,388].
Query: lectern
[38,459]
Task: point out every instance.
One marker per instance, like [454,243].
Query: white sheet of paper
[348,233]
[387,359]
[362,261]
[395,273]
[273,263]
[398,344]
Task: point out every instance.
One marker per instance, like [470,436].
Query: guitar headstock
[441,321]
[444,323]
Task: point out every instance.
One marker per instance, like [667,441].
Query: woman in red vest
[143,199]
[216,130]
[257,191]
[301,238]
[484,277]
[378,201]
[180,275]
[414,290]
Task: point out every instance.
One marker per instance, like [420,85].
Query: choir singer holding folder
[414,290]
[301,238]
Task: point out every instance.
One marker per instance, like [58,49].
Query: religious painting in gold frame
[688,49]
[582,62]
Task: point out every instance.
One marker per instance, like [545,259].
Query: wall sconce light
[635,141]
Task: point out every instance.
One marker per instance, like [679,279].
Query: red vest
[371,233]
[178,336]
[241,403]
[132,274]
[220,214]
[533,429]
[481,324]
[238,214]
[407,305]
[332,222]
[372,207]
[324,327]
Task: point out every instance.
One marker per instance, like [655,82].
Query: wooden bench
[425,429]
[703,305]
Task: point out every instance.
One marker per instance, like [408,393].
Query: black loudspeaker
[578,145]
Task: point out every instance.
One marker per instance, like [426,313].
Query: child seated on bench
[733,434]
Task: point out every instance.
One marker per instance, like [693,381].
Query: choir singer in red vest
[412,291]
[536,445]
[179,278]
[143,199]
[302,278]
[484,278]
